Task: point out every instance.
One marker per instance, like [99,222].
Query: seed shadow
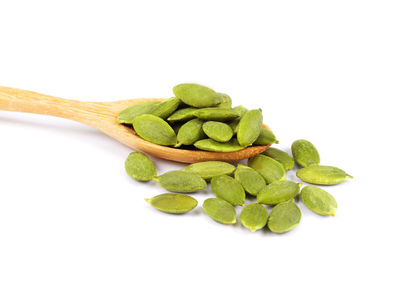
[251,198]
[265,230]
[198,211]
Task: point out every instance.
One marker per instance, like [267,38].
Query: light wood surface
[103,116]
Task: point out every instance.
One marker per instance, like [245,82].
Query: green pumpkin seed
[284,217]
[286,161]
[214,146]
[166,108]
[305,153]
[181,181]
[154,129]
[140,167]
[228,189]
[226,101]
[249,127]
[173,203]
[127,115]
[210,169]
[250,179]
[190,132]
[278,192]
[220,210]
[266,137]
[240,110]
[218,131]
[196,95]
[254,216]
[182,115]
[216,114]
[318,200]
[322,174]
[269,168]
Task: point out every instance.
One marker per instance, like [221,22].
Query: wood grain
[103,116]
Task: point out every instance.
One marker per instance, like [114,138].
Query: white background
[326,71]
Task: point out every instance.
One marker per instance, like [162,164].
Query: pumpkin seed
[166,108]
[318,200]
[228,189]
[226,101]
[216,114]
[284,217]
[190,132]
[140,167]
[278,192]
[322,174]
[266,137]
[250,179]
[218,131]
[254,216]
[173,203]
[305,153]
[210,169]
[249,127]
[182,114]
[220,210]
[269,168]
[154,129]
[240,110]
[196,95]
[214,146]
[181,181]
[127,115]
[286,161]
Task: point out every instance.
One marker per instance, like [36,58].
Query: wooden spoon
[103,116]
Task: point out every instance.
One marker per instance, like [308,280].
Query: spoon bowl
[103,116]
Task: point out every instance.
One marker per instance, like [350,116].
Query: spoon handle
[17,100]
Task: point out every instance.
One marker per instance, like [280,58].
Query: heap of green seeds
[198,118]
[264,178]
[202,118]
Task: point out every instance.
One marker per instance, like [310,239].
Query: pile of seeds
[263,179]
[198,118]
